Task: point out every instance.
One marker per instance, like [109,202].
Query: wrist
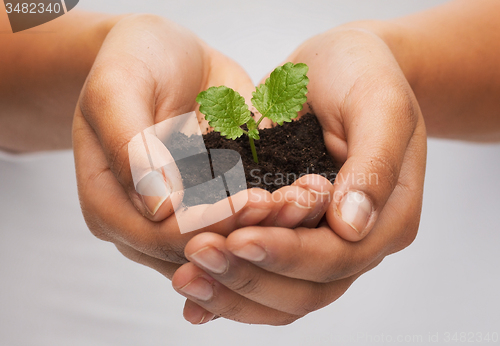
[90,40]
[53,73]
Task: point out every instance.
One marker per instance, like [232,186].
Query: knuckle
[407,236]
[99,233]
[170,253]
[102,81]
[333,273]
[174,255]
[234,310]
[384,164]
[402,106]
[329,274]
[314,300]
[286,320]
[395,92]
[119,162]
[147,19]
[161,244]
[247,284]
[286,267]
[96,226]
[131,254]
[291,262]
[405,105]
[339,266]
[404,236]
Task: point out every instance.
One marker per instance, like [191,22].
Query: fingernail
[211,259]
[207,317]
[251,252]
[154,190]
[291,214]
[320,199]
[199,288]
[355,209]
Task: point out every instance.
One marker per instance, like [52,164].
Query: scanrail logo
[25,15]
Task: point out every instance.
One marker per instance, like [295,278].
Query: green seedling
[279,99]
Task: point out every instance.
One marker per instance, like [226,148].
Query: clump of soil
[285,154]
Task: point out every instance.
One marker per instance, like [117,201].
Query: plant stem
[260,120]
[254,151]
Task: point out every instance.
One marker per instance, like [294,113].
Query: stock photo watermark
[24,15]
[170,164]
[280,179]
[448,338]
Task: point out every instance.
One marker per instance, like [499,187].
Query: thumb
[225,71]
[155,175]
[378,127]
[119,112]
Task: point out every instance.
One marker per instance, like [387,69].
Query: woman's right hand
[147,70]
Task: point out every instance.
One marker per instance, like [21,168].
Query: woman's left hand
[372,124]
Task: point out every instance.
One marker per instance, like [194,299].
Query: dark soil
[285,154]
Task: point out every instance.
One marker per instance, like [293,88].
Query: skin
[148,70]
[366,79]
[39,90]
[371,88]
[360,106]
[129,73]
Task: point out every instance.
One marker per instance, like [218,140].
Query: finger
[321,190]
[296,297]
[112,217]
[193,312]
[256,206]
[291,205]
[297,253]
[314,254]
[196,314]
[199,287]
[235,304]
[368,113]
[303,203]
[374,157]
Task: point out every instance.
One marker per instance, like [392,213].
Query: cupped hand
[373,126]
[148,70]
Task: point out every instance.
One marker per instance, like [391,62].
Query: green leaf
[251,124]
[225,110]
[283,94]
[254,134]
[253,129]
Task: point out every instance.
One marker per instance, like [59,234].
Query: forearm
[42,73]
[451,57]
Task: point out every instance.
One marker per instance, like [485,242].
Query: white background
[61,286]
